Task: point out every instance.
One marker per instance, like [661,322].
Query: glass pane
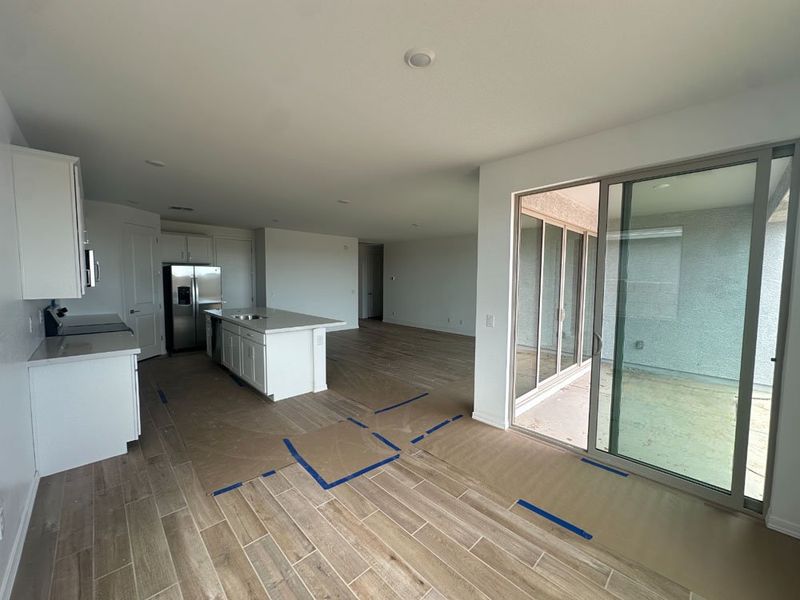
[676,281]
[528,277]
[769,309]
[551,293]
[588,306]
[573,267]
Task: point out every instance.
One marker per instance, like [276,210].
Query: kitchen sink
[248,317]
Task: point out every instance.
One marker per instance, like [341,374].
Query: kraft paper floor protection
[718,554]
[340,450]
[369,387]
[231,434]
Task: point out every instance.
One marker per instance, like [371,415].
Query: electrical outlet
[490,320]
[30,324]
[41,317]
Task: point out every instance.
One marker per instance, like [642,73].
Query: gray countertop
[274,320]
[84,347]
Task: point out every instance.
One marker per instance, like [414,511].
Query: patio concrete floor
[678,422]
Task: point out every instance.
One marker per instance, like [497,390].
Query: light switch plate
[490,320]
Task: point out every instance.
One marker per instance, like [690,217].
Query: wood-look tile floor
[140,527]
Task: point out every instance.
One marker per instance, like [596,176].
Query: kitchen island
[278,352]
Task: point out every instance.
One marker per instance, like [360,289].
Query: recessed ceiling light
[419,58]
[343,201]
[662,186]
[186,208]
[415,224]
[275,221]
[155,163]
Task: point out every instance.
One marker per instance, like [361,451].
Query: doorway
[141,289]
[370,281]
[682,317]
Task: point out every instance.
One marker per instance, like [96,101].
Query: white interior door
[236,259]
[141,290]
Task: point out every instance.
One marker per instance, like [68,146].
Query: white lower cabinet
[83,411]
[244,354]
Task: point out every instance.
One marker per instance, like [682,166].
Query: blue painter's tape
[557,520]
[162,395]
[605,467]
[418,438]
[357,422]
[320,480]
[268,473]
[401,403]
[302,462]
[226,489]
[385,441]
[362,471]
[456,418]
[439,426]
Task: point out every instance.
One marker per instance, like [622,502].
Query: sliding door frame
[762,156]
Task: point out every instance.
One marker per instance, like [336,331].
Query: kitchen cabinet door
[231,351]
[173,248]
[248,361]
[259,368]
[199,249]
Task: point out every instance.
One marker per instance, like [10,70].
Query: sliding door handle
[597,344]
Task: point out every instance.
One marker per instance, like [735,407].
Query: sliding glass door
[690,290]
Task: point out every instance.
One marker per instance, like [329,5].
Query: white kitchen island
[278,352]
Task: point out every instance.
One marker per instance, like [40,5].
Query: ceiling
[268,112]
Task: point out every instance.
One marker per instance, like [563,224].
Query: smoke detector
[419,58]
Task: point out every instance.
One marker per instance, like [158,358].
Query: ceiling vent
[186,208]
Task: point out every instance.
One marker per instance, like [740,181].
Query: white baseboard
[428,327]
[19,541]
[783,526]
[489,420]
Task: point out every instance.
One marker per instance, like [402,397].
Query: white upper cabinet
[198,249]
[47,191]
[182,248]
[173,247]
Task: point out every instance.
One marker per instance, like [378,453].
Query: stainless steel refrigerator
[188,292]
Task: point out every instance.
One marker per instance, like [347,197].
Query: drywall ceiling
[269,112]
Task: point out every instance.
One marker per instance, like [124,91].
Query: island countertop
[84,347]
[273,320]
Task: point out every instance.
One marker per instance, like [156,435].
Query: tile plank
[75,530]
[133,473]
[321,579]
[516,571]
[469,566]
[391,506]
[118,585]
[303,482]
[174,445]
[383,560]
[107,474]
[425,471]
[341,555]
[245,524]
[169,497]
[283,529]
[275,571]
[111,545]
[238,578]
[353,501]
[204,508]
[576,585]
[422,560]
[276,483]
[151,558]
[369,586]
[196,574]
[150,440]
[72,577]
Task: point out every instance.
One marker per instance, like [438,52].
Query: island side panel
[320,371]
[290,363]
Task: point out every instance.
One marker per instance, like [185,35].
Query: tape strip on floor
[399,404]
[604,467]
[320,480]
[557,520]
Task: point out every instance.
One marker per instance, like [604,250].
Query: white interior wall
[431,283]
[18,340]
[104,226]
[757,116]
[211,230]
[312,273]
